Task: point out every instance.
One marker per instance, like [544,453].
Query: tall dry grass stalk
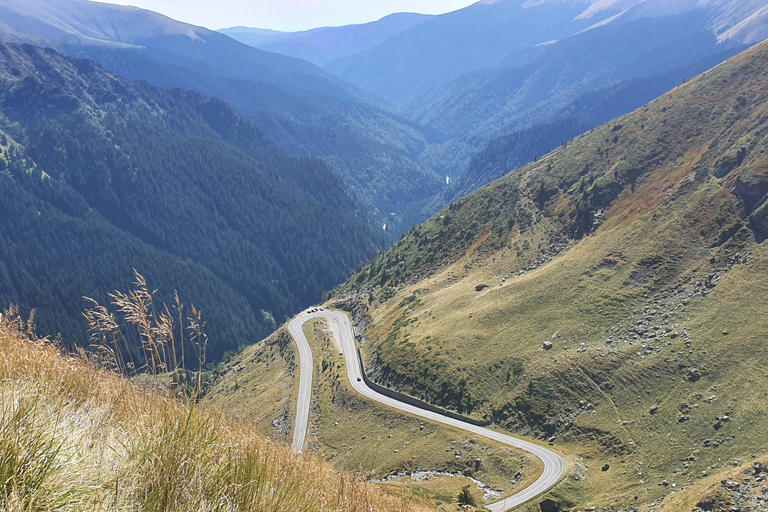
[76,436]
[157,330]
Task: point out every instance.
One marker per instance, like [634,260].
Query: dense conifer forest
[102,175]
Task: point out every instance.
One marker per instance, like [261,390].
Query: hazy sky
[288,15]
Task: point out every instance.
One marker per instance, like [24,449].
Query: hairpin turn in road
[554,464]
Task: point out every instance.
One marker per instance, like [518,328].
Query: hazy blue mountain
[323,45]
[100,175]
[504,33]
[472,38]
[496,100]
[69,24]
[655,53]
[500,68]
[302,107]
[509,152]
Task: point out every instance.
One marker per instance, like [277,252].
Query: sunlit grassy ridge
[75,437]
[638,250]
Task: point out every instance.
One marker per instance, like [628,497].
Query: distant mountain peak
[322,45]
[603,5]
[751,30]
[742,22]
[86,21]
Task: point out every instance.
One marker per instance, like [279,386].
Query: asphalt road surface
[554,465]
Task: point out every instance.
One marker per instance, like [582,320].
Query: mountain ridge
[302,107]
[323,45]
[597,296]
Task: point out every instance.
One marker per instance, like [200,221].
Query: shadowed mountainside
[305,109]
[102,175]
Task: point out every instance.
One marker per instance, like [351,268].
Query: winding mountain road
[554,464]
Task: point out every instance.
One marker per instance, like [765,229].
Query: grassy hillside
[509,152]
[355,434]
[637,251]
[76,437]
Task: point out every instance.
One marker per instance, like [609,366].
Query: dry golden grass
[657,318]
[76,437]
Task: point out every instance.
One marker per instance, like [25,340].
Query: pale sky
[288,15]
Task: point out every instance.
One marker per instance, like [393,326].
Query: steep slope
[496,68]
[323,45]
[610,296]
[303,108]
[501,34]
[173,184]
[647,56]
[472,38]
[509,152]
[76,437]
[94,25]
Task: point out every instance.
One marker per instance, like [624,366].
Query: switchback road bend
[554,464]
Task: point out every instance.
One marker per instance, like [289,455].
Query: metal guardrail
[414,401]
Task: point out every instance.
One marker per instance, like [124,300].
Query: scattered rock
[481,287]
[281,426]
[547,345]
[731,495]
[694,374]
[654,409]
[549,506]
[707,503]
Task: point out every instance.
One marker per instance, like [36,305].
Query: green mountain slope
[303,108]
[507,153]
[610,297]
[173,184]
[594,76]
